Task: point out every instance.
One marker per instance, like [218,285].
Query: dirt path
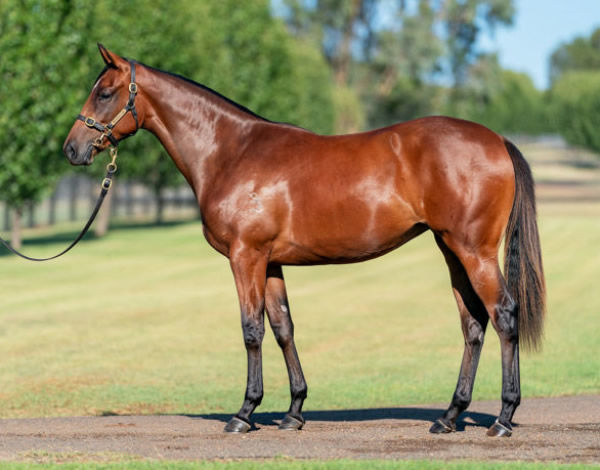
[549,429]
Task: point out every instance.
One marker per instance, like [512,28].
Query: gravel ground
[563,429]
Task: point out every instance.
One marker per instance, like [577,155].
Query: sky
[540,27]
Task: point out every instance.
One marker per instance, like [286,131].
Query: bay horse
[273,194]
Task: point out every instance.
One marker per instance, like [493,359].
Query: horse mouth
[88,156]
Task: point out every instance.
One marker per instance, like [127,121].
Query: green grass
[303,465]
[147,321]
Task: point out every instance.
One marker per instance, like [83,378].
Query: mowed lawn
[146,320]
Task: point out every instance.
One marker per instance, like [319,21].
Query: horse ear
[110,58]
[106,56]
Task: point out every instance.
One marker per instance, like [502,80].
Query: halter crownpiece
[106,129]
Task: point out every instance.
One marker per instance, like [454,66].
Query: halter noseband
[107,129]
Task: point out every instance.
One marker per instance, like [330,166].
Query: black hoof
[499,430]
[236,424]
[290,423]
[441,427]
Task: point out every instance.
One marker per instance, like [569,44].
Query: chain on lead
[111,168]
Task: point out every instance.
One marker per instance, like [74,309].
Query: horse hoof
[238,425]
[290,423]
[499,430]
[440,427]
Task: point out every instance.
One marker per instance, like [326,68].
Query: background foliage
[326,65]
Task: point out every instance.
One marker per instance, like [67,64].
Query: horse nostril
[70,151]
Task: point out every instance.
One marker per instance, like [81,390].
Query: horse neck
[198,128]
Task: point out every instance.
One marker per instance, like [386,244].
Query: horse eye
[104,95]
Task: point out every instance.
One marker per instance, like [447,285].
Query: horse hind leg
[483,272]
[474,319]
[278,312]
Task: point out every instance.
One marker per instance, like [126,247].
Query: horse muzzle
[76,156]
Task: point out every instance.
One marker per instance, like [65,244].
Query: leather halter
[106,129]
[111,168]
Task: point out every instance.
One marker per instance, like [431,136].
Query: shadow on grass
[466,419]
[65,238]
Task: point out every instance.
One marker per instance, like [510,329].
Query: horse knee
[254,332]
[284,332]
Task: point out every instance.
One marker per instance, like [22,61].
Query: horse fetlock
[253,396]
[299,392]
[461,402]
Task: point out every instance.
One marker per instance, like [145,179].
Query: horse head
[109,113]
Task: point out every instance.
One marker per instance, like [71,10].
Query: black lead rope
[111,168]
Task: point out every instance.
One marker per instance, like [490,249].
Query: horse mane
[207,89]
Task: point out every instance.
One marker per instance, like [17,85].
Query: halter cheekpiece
[106,129]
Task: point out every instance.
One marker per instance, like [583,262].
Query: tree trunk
[52,209]
[103,220]
[341,63]
[6,218]
[73,189]
[30,215]
[15,236]
[129,209]
[160,206]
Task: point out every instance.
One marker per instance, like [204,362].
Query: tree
[575,100]
[503,100]
[49,61]
[582,53]
[39,42]
[239,50]
[575,92]
[464,21]
[377,47]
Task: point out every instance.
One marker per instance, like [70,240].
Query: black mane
[208,89]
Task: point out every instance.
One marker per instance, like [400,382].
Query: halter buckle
[112,166]
[106,183]
[133,88]
[90,122]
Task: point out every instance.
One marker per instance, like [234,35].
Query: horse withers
[273,194]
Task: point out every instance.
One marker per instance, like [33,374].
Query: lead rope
[111,169]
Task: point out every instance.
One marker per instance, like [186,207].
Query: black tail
[523,258]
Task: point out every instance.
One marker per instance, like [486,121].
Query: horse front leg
[278,311]
[249,268]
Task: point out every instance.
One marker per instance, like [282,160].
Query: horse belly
[354,230]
